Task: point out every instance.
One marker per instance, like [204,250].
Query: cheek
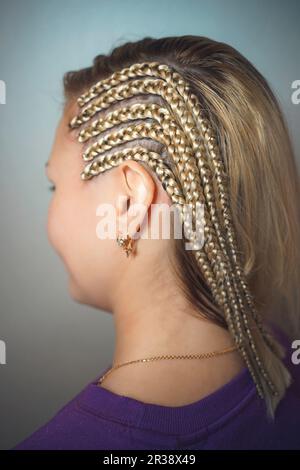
[52,224]
[55,228]
[72,223]
[71,231]
[63,226]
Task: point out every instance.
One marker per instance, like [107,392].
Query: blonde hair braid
[198,172]
[189,176]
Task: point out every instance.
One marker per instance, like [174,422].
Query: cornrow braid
[195,172]
[174,139]
[117,139]
[171,139]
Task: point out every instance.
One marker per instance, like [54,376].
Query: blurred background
[54,346]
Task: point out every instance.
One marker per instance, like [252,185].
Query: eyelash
[52,188]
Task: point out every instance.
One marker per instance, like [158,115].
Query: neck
[150,329]
[153,320]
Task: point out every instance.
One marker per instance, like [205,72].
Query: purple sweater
[229,418]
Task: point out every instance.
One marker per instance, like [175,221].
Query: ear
[135,196]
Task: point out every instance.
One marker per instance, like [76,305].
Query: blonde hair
[220,139]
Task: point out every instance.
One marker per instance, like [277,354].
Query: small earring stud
[126,244]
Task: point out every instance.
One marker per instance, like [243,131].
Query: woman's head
[95,263]
[213,132]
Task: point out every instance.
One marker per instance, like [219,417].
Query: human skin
[150,313]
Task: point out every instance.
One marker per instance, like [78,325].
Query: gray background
[55,346]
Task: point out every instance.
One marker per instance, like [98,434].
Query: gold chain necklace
[157,358]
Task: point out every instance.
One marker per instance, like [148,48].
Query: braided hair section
[167,112]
